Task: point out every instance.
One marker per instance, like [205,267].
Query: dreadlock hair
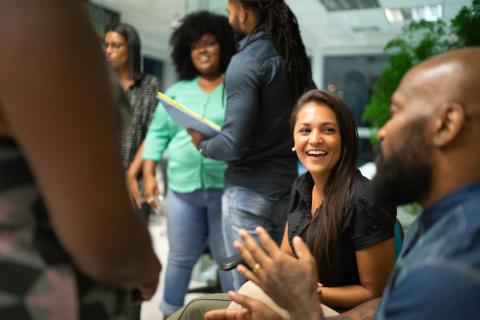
[323,236]
[191,29]
[132,39]
[282,27]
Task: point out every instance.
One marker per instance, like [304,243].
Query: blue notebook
[187,118]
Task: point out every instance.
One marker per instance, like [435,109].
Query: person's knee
[197,308]
[183,261]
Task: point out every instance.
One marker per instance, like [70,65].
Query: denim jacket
[437,275]
[256,140]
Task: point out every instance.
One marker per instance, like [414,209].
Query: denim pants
[243,208]
[193,220]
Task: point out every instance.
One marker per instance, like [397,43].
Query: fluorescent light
[428,13]
[342,5]
[394,15]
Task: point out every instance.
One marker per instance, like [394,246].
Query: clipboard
[187,118]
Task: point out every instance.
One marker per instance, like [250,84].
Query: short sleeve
[369,223]
[434,291]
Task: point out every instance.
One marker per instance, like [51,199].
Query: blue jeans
[243,208]
[193,221]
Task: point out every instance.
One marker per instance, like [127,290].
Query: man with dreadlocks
[264,79]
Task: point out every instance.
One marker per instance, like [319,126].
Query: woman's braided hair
[282,27]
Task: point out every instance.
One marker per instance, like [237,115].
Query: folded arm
[241,85]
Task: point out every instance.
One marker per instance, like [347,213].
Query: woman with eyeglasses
[122,48]
[123,51]
[201,50]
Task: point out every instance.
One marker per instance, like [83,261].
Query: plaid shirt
[142,97]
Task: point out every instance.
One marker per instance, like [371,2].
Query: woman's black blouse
[365,223]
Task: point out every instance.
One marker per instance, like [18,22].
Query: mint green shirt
[187,169]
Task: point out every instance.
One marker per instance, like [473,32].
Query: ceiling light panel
[428,13]
[343,5]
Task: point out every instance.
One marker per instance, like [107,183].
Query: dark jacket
[256,140]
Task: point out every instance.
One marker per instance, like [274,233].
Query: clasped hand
[197,137]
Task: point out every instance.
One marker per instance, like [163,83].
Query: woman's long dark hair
[130,35]
[282,27]
[191,29]
[324,232]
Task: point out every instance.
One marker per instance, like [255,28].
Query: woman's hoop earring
[293,149]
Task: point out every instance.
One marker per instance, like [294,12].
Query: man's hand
[290,282]
[197,137]
[147,290]
[252,310]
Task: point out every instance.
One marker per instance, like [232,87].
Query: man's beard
[237,34]
[405,176]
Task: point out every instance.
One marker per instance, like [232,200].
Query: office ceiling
[339,31]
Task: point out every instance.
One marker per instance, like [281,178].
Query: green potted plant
[417,42]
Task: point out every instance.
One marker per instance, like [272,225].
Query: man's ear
[449,121]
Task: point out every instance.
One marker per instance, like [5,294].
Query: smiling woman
[317,139]
[332,207]
[201,50]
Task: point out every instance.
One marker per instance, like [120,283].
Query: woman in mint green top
[202,48]
[187,169]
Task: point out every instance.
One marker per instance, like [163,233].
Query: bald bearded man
[429,152]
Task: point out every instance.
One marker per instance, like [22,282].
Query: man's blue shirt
[437,275]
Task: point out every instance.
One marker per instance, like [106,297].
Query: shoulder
[361,187]
[149,80]
[362,196]
[299,215]
[243,62]
[302,186]
[179,87]
[435,290]
[254,54]
[367,222]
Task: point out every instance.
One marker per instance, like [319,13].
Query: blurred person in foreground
[71,244]
[428,153]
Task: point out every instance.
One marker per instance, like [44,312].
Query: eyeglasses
[113,45]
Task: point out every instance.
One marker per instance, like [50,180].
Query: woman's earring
[293,149]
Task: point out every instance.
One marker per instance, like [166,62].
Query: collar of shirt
[258,33]
[137,83]
[304,188]
[443,207]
